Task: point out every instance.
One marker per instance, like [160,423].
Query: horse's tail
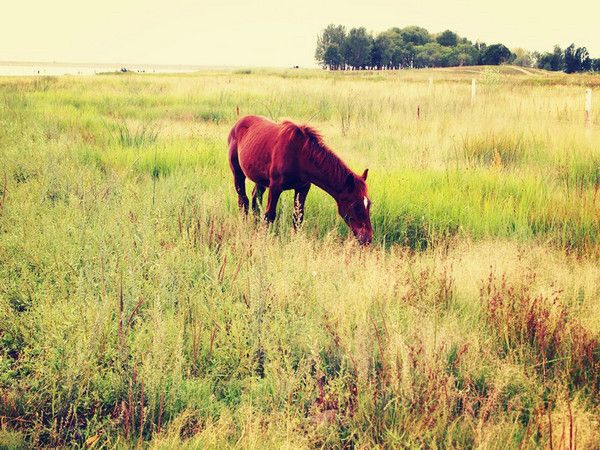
[232,142]
[239,177]
[231,136]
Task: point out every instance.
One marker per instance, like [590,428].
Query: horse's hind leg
[239,177]
[257,195]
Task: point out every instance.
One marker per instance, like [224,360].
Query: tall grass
[126,135]
[138,307]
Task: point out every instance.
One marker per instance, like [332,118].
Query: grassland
[137,307]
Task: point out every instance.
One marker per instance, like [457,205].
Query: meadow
[139,308]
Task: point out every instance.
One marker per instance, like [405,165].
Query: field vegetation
[139,308]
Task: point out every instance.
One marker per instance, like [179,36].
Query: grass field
[138,308]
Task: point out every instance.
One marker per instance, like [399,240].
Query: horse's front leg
[274,193]
[299,200]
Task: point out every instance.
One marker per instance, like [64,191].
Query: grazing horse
[289,156]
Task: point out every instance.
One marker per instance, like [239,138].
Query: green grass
[138,306]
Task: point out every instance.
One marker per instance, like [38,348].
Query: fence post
[588,107]
[473,90]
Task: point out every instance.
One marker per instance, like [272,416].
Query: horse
[284,156]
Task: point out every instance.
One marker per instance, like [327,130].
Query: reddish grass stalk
[135,310]
[213,334]
[160,410]
[570,426]
[4,192]
[195,346]
[125,412]
[550,428]
[141,438]
[222,269]
[120,325]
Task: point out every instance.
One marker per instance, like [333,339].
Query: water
[42,69]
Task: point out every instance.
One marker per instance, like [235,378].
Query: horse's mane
[319,153]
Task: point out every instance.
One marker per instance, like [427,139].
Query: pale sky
[275,33]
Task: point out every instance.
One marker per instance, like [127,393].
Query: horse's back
[254,138]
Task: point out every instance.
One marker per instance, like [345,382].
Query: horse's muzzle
[364,237]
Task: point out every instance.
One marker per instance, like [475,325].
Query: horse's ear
[350,182]
[365,173]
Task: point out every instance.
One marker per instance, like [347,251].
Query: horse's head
[354,206]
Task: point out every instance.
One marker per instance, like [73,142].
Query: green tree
[403,52]
[583,56]
[496,54]
[357,48]
[331,35]
[522,58]
[431,54]
[382,50]
[481,48]
[415,35]
[571,64]
[447,38]
[465,54]
[552,61]
[333,57]
[576,59]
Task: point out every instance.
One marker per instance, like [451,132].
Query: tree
[333,57]
[465,54]
[404,55]
[414,46]
[447,38]
[496,54]
[552,61]
[415,35]
[357,48]
[382,50]
[571,63]
[403,52]
[577,60]
[331,35]
[481,49]
[432,54]
[583,56]
[522,58]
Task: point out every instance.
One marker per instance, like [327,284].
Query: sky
[268,33]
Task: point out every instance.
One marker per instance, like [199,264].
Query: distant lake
[44,68]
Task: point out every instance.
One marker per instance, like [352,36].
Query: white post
[430,83]
[588,106]
[473,90]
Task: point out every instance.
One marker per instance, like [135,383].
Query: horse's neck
[332,179]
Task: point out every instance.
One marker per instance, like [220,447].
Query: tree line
[415,47]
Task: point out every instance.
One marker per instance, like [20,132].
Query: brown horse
[289,156]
